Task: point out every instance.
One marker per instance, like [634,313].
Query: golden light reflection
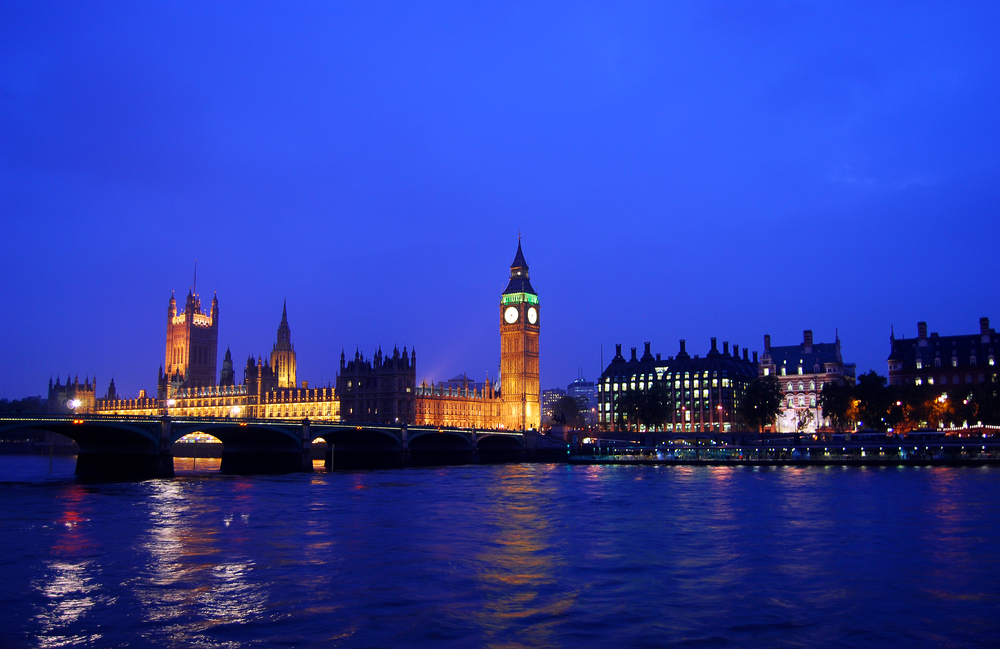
[519,564]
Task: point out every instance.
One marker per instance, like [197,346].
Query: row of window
[801,401]
[954,361]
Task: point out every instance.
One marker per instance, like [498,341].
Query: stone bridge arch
[428,447]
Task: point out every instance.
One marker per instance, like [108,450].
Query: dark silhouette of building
[72,396]
[379,390]
[944,360]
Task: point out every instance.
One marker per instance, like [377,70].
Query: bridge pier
[305,455]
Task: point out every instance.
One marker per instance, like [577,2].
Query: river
[502,556]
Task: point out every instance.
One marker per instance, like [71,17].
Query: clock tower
[519,326]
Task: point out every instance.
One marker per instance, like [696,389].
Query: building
[72,396]
[703,394]
[378,390]
[192,346]
[803,370]
[585,393]
[519,329]
[549,399]
[283,354]
[944,361]
[459,402]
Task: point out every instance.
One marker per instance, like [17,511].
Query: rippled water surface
[502,556]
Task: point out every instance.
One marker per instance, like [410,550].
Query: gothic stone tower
[192,343]
[283,354]
[519,325]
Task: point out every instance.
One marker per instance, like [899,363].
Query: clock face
[510,315]
[532,315]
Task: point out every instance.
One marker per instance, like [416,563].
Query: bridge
[114,446]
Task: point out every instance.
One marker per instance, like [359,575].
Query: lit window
[919,382]
[812,400]
[802,400]
[930,380]
[920,364]
[800,370]
[990,360]
[782,371]
[954,362]
[767,371]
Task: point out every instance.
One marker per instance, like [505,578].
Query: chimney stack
[633,353]
[767,342]
[714,348]
[921,330]
[984,326]
[683,343]
[807,339]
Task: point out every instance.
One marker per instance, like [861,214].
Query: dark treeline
[872,404]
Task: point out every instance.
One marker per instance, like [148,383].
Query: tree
[874,401]
[651,407]
[566,411]
[803,419]
[761,402]
[836,400]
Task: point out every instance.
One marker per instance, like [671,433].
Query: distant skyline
[727,169]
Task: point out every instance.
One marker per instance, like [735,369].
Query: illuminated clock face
[532,315]
[510,315]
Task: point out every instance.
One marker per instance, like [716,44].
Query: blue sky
[676,171]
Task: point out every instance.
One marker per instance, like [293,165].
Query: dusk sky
[676,170]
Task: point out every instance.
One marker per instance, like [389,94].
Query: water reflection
[195,581]
[519,601]
[70,583]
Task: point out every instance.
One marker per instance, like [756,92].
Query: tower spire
[194,282]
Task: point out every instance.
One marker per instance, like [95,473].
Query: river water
[502,556]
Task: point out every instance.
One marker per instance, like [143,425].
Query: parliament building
[381,389]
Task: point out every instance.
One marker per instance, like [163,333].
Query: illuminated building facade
[378,390]
[704,394]
[283,354]
[803,370]
[459,403]
[944,360]
[192,346]
[519,328]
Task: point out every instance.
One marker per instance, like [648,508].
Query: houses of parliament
[377,389]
